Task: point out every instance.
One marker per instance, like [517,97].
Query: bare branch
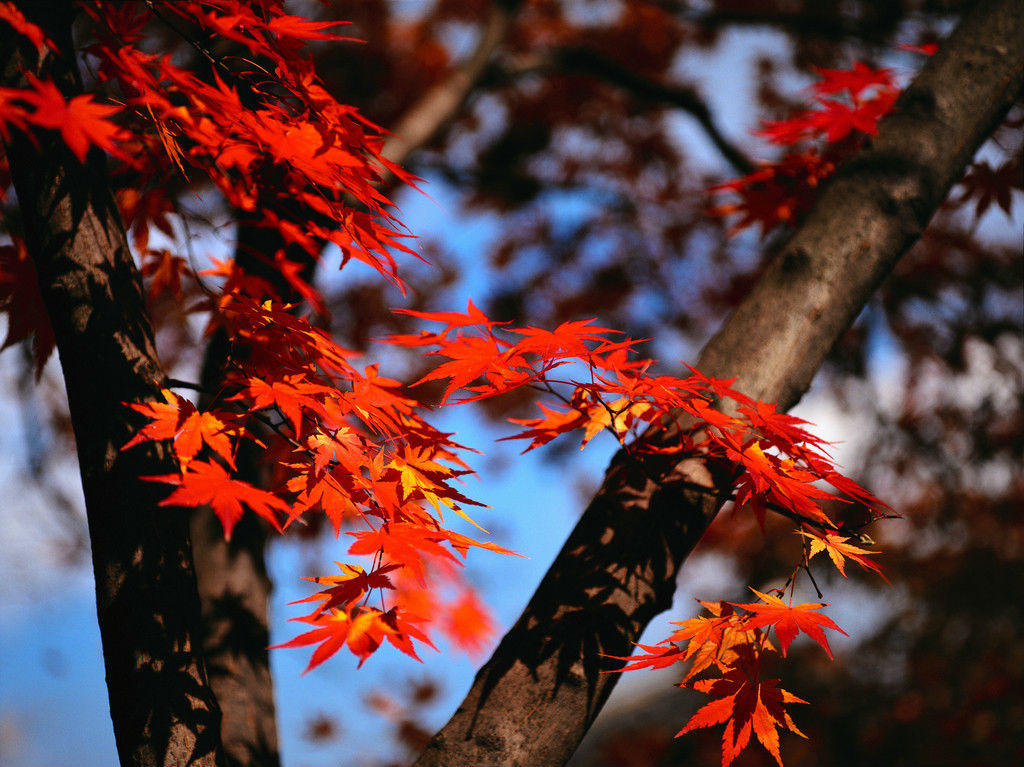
[422,121]
[586,61]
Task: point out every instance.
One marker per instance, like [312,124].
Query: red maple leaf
[303,28]
[655,657]
[990,185]
[21,300]
[82,121]
[13,16]
[471,317]
[408,544]
[745,705]
[362,629]
[349,586]
[568,339]
[855,80]
[178,419]
[207,482]
[290,394]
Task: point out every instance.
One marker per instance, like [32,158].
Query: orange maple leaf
[619,417]
[362,629]
[788,621]
[554,423]
[178,419]
[324,488]
[654,657]
[349,586]
[409,544]
[839,550]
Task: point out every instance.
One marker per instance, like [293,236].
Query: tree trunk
[162,707]
[538,694]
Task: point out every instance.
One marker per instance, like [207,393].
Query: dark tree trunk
[536,697]
[234,586]
[162,707]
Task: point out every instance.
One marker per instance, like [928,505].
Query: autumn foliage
[352,444]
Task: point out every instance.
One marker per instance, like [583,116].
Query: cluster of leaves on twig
[848,103]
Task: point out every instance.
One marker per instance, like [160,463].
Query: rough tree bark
[540,691]
[163,710]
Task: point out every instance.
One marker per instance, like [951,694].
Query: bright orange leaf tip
[788,621]
[839,550]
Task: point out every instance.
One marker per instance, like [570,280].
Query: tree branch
[586,61]
[162,707]
[422,121]
[537,695]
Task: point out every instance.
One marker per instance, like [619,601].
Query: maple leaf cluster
[848,103]
[725,650]
[262,130]
[618,394]
[266,131]
[775,464]
[350,445]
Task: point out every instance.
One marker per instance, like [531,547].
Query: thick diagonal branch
[163,709]
[535,698]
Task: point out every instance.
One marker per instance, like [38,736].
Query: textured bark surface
[538,694]
[234,590]
[163,710]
